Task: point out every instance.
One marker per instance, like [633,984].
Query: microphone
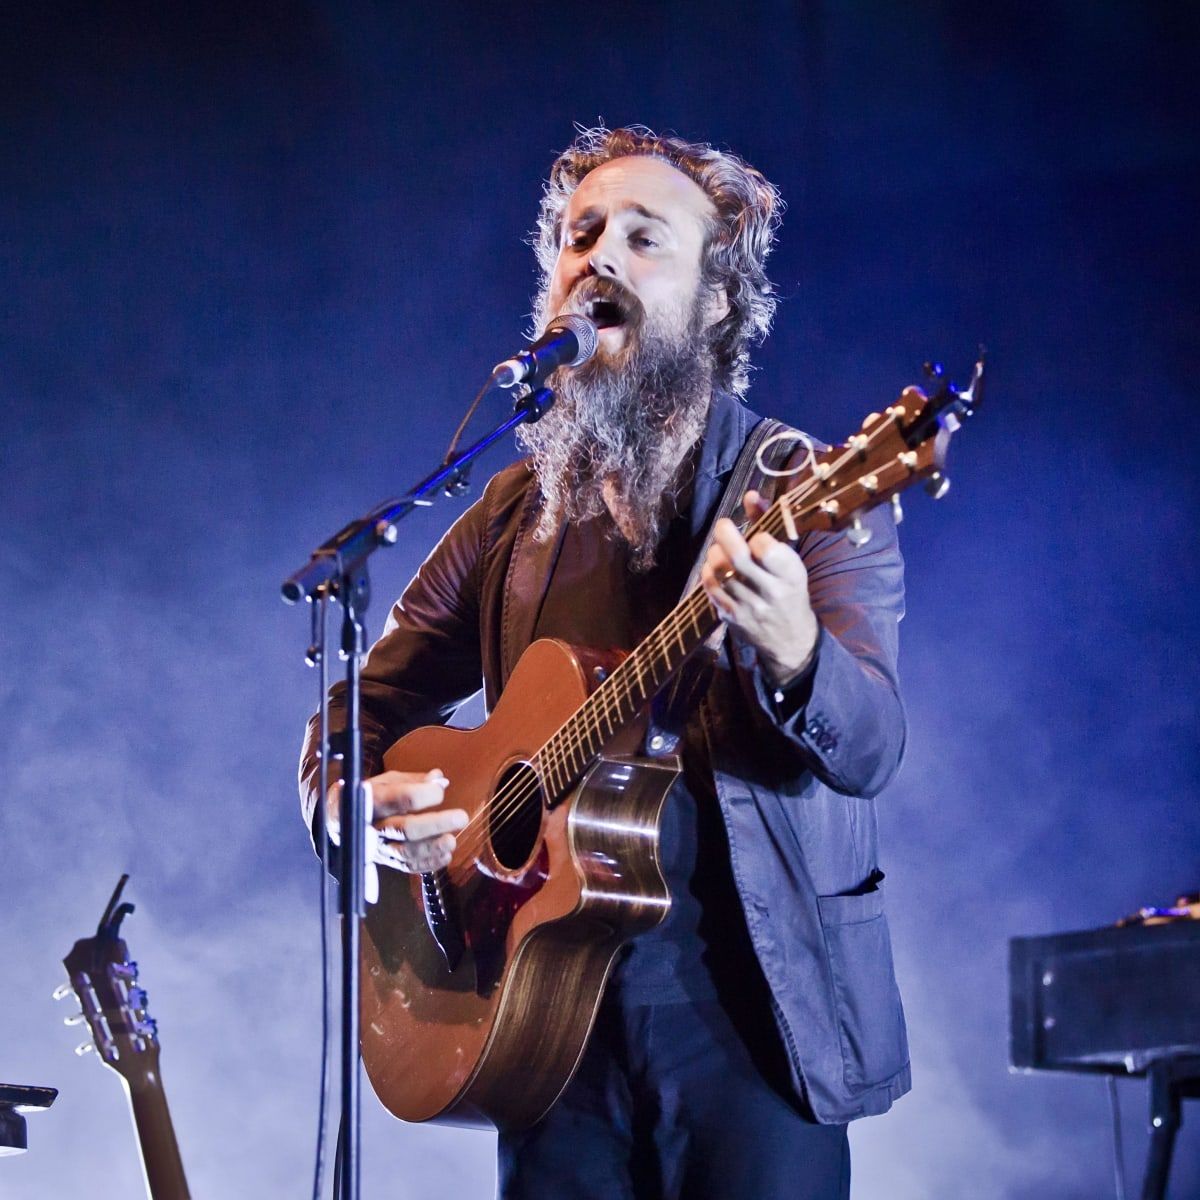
[569,341]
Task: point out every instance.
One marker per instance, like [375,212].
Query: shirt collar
[729,424]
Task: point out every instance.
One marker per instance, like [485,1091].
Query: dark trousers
[678,1102]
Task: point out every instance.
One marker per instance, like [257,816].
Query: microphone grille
[585,334]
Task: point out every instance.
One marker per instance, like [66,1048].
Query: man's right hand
[409,839]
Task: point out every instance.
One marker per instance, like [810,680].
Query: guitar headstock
[104,979]
[894,449]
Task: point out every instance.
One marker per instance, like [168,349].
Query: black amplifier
[1113,1000]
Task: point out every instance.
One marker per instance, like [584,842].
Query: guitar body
[544,898]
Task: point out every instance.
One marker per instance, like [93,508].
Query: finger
[333,809]
[713,575]
[748,604]
[777,558]
[723,603]
[728,538]
[743,560]
[754,505]
[429,855]
[714,572]
[416,827]
[398,792]
[718,562]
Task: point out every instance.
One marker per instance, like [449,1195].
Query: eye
[644,241]
[578,240]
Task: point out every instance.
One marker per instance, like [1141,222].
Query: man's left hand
[761,588]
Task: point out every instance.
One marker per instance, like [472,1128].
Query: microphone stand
[338,569]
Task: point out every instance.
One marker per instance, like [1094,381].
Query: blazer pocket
[870,1018]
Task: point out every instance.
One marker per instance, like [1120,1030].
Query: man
[737,1039]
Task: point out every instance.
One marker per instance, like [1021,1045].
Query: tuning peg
[138,997]
[124,970]
[74,1019]
[61,992]
[84,1048]
[937,485]
[858,535]
[897,509]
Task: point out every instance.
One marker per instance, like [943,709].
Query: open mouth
[604,314]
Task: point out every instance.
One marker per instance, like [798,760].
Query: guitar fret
[679,637]
[567,753]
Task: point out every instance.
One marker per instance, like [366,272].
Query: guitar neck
[892,450]
[619,699]
[161,1162]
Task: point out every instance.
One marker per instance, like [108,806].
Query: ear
[717,308]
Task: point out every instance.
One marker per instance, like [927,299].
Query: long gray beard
[618,435]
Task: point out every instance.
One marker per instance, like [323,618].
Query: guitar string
[507,802]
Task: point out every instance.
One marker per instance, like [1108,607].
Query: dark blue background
[257,258]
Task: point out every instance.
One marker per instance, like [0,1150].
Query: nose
[604,259]
[601,264]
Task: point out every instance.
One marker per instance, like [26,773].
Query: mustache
[606,302]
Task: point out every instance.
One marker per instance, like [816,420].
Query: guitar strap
[671,708]
[745,475]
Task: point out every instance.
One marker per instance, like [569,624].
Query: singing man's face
[642,224]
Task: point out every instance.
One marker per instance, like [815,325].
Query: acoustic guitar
[480,982]
[105,981]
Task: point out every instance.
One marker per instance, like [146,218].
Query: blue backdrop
[256,260]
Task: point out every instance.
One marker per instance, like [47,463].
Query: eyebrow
[590,214]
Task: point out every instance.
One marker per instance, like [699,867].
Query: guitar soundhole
[515,819]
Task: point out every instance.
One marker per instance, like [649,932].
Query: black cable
[1118,1141]
[337,1163]
[457,485]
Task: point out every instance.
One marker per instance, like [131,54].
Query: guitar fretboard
[624,693]
[842,482]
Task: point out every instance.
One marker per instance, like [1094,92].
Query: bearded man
[737,1039]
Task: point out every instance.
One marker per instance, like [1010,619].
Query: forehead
[641,181]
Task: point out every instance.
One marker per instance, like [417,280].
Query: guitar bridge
[441,917]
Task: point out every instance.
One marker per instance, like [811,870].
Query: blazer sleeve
[844,719]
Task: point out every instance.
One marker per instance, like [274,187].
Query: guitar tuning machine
[897,509]
[85,1048]
[858,535]
[61,992]
[937,485]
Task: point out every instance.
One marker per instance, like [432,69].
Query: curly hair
[739,238]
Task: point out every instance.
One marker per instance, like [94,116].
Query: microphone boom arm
[341,555]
